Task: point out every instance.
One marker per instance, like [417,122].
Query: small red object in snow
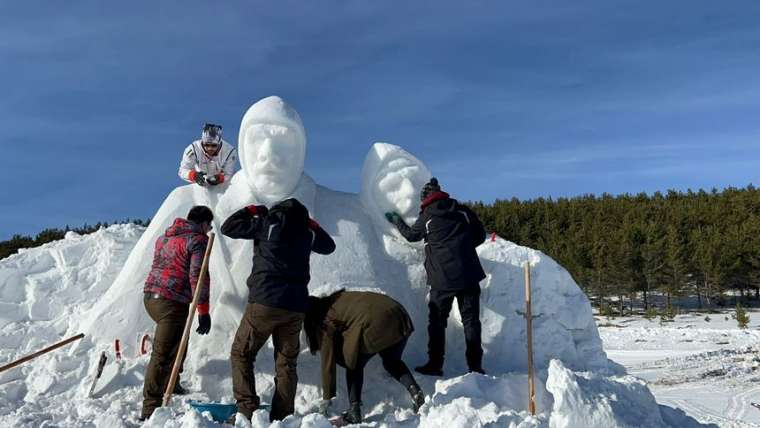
[117,346]
[493,236]
[144,344]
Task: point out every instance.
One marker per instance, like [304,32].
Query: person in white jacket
[210,160]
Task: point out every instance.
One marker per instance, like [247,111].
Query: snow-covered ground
[710,369]
[46,292]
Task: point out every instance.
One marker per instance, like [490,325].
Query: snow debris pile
[94,284]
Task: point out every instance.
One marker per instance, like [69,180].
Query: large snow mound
[75,273]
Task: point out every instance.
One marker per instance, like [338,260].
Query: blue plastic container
[219,412]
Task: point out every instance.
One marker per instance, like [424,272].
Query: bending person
[348,328]
[284,238]
[451,232]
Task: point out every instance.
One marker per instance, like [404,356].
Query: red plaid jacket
[177,264]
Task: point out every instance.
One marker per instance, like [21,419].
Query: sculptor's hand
[199,177]
[204,324]
[393,217]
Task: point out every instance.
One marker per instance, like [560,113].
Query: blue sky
[499,99]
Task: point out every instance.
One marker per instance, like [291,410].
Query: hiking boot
[145,414]
[354,414]
[231,419]
[430,369]
[179,389]
[476,370]
[418,397]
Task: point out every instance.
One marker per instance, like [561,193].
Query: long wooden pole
[188,322]
[41,352]
[529,330]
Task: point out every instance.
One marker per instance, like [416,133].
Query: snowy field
[708,369]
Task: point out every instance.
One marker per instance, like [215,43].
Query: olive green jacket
[359,322]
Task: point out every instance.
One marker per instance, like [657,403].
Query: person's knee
[436,315]
[470,318]
[236,353]
[163,352]
[286,362]
[239,355]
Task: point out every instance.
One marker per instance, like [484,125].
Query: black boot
[418,397]
[354,413]
[431,368]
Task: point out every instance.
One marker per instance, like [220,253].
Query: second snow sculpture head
[391,181]
[272,147]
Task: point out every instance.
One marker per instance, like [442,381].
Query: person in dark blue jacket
[283,240]
[451,232]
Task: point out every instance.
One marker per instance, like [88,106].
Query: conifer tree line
[18,241]
[627,250]
[622,250]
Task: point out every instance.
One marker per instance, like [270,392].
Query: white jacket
[195,158]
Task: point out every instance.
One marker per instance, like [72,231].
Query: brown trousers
[170,317]
[258,323]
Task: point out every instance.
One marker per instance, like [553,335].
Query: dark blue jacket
[283,240]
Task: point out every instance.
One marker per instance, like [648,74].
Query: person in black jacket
[451,232]
[283,240]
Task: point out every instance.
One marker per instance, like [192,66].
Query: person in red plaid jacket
[168,292]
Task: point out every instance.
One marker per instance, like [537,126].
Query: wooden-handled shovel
[189,322]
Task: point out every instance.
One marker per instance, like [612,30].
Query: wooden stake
[41,352]
[529,331]
[189,322]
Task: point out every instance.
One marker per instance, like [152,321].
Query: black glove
[200,178]
[213,180]
[393,217]
[204,324]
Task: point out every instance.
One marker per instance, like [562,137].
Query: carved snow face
[272,146]
[274,159]
[398,186]
[392,179]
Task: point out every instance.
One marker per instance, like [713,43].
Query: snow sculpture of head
[391,181]
[272,148]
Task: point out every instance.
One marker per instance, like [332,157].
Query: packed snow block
[475,400]
[563,324]
[585,399]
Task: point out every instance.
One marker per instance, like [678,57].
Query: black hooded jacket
[451,232]
[283,240]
